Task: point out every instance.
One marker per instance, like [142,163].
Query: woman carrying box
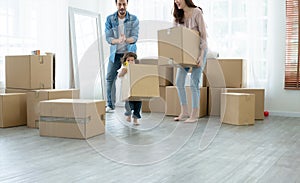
[187,14]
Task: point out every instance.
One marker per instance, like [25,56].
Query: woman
[188,15]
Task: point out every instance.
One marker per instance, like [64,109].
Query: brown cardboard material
[259,99]
[12,109]
[214,101]
[165,73]
[173,105]
[177,46]
[140,82]
[29,72]
[72,118]
[226,73]
[157,104]
[35,96]
[238,108]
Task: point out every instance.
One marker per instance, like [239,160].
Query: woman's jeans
[195,80]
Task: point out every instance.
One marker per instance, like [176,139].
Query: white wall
[279,101]
[91,5]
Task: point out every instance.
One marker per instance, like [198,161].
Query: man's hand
[122,39]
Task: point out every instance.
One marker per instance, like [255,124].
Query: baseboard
[285,114]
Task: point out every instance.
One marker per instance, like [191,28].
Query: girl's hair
[179,13]
[127,55]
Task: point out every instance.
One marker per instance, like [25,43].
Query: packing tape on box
[65,120]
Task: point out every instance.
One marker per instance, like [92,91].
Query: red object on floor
[266,113]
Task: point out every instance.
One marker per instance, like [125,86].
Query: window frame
[292,65]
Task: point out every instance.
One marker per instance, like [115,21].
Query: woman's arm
[203,37]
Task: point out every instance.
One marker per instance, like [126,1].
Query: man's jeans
[111,76]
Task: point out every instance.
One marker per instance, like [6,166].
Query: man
[121,31]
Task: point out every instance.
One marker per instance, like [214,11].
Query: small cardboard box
[238,108]
[12,109]
[157,104]
[72,118]
[29,72]
[140,82]
[178,45]
[173,103]
[226,73]
[35,96]
[259,98]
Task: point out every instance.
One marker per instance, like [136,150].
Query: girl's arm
[122,72]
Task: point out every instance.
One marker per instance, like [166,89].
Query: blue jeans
[111,76]
[195,80]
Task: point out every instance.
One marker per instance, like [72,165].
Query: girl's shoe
[128,118]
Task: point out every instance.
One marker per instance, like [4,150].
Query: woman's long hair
[179,13]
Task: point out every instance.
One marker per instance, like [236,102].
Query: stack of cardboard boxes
[29,83]
[224,77]
[178,46]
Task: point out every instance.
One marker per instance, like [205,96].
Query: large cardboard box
[140,82]
[178,45]
[29,71]
[12,109]
[173,104]
[72,118]
[226,73]
[35,96]
[156,104]
[259,98]
[238,108]
[165,73]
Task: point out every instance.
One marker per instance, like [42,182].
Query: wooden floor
[159,150]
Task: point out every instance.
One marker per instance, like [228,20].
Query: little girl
[135,106]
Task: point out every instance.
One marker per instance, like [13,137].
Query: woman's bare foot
[128,118]
[181,117]
[191,120]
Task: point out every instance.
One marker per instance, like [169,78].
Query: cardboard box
[226,73]
[173,105]
[259,98]
[238,108]
[157,104]
[72,118]
[165,73]
[29,72]
[140,82]
[12,109]
[177,46]
[214,101]
[12,90]
[35,96]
